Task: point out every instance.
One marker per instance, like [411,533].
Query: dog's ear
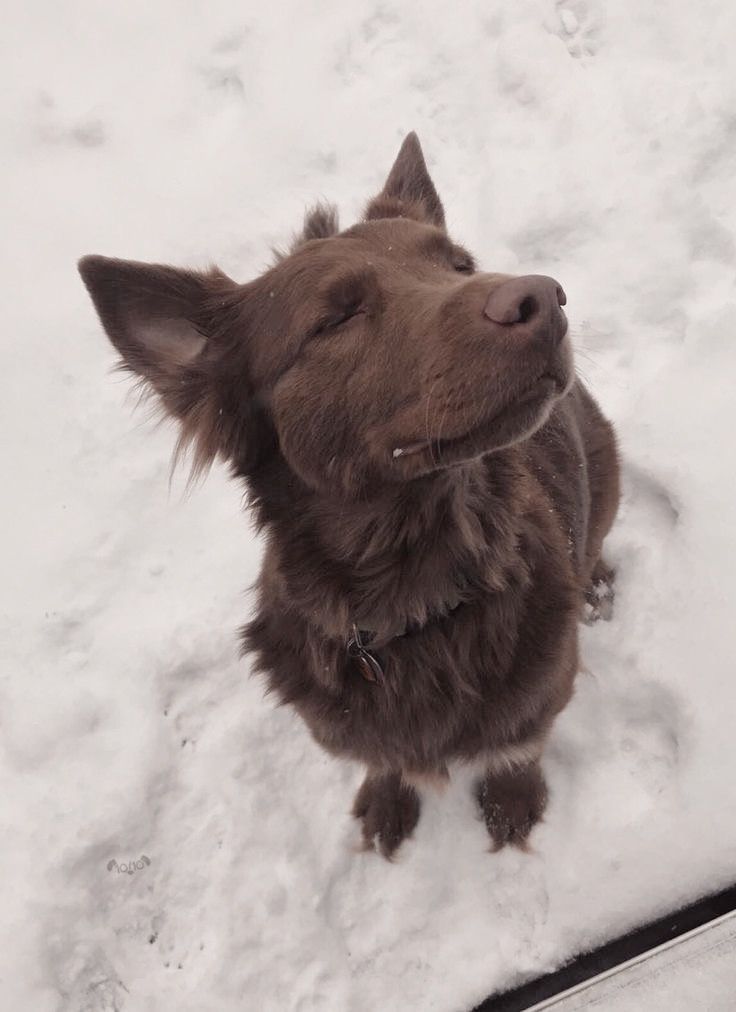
[320,222]
[157,317]
[409,191]
[161,320]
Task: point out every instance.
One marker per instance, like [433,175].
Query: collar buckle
[368,663]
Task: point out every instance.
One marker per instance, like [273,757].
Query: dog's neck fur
[398,559]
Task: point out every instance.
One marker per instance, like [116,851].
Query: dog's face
[365,357]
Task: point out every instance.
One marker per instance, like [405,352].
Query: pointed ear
[409,191]
[161,320]
[157,317]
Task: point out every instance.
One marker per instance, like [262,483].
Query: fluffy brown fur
[425,468]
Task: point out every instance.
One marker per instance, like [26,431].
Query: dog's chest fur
[470,589]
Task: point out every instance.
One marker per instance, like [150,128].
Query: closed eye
[332,323]
[463,263]
[441,250]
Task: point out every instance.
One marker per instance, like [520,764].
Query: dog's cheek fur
[317,434]
[229,421]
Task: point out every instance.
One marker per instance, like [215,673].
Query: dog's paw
[512,803]
[388,809]
[599,594]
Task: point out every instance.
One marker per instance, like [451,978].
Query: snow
[595,142]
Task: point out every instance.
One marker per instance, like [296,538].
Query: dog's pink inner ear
[157,317]
[408,191]
[173,342]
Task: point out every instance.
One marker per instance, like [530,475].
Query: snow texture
[592,141]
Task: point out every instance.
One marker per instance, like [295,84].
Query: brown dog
[434,485]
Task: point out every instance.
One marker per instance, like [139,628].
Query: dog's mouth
[513,422]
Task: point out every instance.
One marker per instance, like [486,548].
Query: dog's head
[364,357]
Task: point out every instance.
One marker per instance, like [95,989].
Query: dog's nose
[533,298]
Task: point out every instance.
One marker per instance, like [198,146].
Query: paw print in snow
[653,727]
[581,23]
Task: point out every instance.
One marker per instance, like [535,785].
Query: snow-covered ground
[593,141]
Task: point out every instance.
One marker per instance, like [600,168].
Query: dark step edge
[589,965]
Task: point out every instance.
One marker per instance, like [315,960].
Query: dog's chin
[511,424]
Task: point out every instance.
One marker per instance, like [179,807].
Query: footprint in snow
[651,492]
[651,733]
[52,127]
[232,41]
[581,26]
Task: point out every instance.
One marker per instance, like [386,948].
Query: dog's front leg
[388,808]
[512,801]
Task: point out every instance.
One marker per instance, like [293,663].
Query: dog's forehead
[382,233]
[366,244]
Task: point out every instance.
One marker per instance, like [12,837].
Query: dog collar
[368,663]
[361,650]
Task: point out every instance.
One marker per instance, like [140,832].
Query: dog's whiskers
[439,432]
[426,420]
[582,353]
